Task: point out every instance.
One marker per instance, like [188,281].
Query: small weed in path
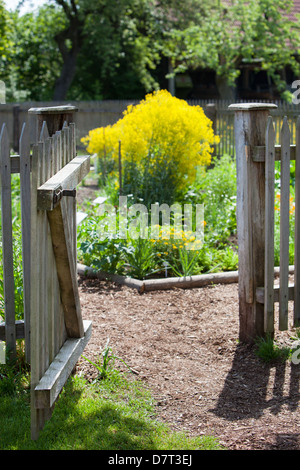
[269,351]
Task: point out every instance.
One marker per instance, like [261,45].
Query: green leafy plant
[269,351]
[14,374]
[103,254]
[186,262]
[139,258]
[214,187]
[105,362]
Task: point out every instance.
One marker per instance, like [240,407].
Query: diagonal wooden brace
[66,270]
[50,198]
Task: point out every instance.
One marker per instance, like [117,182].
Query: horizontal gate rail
[67,178]
[49,387]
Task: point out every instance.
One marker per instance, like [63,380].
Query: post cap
[54,110]
[252,106]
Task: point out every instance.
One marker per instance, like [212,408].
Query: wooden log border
[189,282]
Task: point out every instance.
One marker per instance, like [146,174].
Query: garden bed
[183,345]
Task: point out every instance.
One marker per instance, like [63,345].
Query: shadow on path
[253,387]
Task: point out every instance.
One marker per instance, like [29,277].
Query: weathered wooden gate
[256,153]
[55,334]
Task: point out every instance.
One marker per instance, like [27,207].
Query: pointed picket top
[24,142]
[44,132]
[7,242]
[270,130]
[66,143]
[25,186]
[4,133]
[285,129]
[5,150]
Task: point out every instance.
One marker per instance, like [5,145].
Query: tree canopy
[237,32]
[77,49]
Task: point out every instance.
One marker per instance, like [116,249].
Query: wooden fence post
[250,127]
[54,116]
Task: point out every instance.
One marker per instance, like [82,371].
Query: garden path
[183,345]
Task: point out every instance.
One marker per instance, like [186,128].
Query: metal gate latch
[57,196]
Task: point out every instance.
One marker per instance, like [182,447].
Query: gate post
[250,122]
[54,116]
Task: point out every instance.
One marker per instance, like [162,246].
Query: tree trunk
[226,91]
[74,34]
[66,77]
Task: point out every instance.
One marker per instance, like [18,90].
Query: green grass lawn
[112,414]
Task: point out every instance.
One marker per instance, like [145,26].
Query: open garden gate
[55,334]
[58,334]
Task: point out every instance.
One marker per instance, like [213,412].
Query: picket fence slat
[48,330]
[297,229]
[269,227]
[284,225]
[7,243]
[25,181]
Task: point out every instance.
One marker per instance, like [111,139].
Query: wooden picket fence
[256,153]
[55,334]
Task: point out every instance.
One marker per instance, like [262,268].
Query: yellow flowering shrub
[160,128]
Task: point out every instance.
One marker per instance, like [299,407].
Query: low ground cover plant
[174,252]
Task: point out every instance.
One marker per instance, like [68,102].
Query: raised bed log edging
[188,282]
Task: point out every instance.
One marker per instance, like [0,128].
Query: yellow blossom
[182,134]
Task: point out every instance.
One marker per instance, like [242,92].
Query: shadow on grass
[104,417]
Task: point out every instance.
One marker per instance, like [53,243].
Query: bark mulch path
[183,344]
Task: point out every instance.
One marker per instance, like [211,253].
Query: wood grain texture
[284,225]
[7,242]
[67,275]
[67,178]
[25,186]
[296,319]
[269,228]
[52,382]
[55,304]
[250,126]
